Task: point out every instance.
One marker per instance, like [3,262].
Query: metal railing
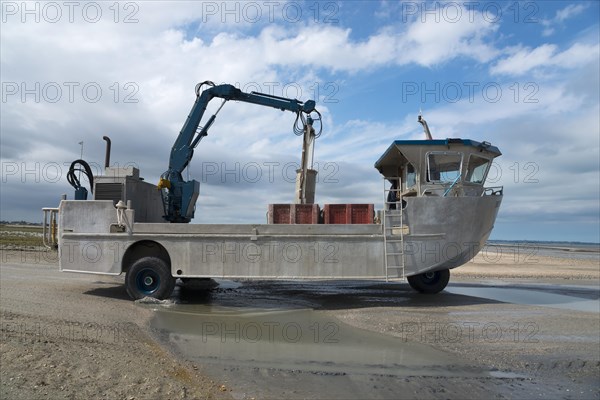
[50,227]
[493,191]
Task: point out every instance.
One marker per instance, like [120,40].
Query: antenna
[81,157]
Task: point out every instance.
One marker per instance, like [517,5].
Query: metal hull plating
[446,232]
[440,233]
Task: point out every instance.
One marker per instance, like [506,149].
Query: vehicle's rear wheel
[149,277]
[430,282]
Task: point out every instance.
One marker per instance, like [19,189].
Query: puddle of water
[528,297]
[297,340]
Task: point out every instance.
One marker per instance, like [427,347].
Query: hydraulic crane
[179,196]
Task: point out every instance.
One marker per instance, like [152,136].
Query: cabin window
[443,166]
[477,169]
[411,176]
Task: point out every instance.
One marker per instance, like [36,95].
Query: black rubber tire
[430,282]
[149,277]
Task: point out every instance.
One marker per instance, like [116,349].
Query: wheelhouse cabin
[448,167]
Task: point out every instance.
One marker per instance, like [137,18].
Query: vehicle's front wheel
[149,277]
[430,282]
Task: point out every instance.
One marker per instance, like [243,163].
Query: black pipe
[107,155]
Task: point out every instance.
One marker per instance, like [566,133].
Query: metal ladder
[393,229]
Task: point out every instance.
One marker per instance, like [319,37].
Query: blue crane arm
[179,196]
[189,137]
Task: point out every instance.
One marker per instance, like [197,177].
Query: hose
[320,124]
[85,168]
[299,128]
[198,88]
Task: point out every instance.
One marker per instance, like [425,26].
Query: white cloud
[569,11]
[433,43]
[560,17]
[524,60]
[333,48]
[164,63]
[577,55]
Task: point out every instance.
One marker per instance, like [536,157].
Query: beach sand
[66,336]
[72,336]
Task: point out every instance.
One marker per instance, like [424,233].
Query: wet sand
[73,336]
[505,328]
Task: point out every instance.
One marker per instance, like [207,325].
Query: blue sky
[521,75]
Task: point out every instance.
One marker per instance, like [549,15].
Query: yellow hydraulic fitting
[164,184]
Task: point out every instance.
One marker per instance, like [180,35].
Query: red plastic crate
[293,214]
[335,214]
[361,213]
[279,214]
[348,213]
[306,213]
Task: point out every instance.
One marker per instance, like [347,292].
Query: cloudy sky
[523,76]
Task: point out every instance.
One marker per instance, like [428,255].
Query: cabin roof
[396,152]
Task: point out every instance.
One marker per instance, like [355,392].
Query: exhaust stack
[107,154]
[425,127]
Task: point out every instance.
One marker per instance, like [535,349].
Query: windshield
[443,166]
[477,169]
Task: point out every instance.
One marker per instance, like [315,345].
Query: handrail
[451,186]
[49,229]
